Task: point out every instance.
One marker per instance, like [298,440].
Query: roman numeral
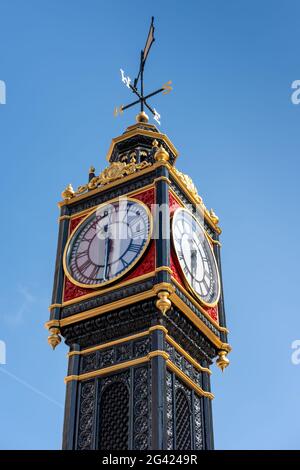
[81,254]
[135,247]
[85,265]
[94,272]
[124,263]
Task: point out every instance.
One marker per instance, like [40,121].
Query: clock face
[196,257]
[108,243]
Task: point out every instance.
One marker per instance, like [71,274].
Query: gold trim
[115,367]
[133,263]
[52,306]
[117,304]
[196,320]
[137,298]
[162,178]
[106,308]
[186,281]
[90,209]
[163,286]
[164,268]
[138,131]
[193,200]
[188,381]
[137,126]
[92,192]
[194,301]
[196,364]
[118,341]
[104,291]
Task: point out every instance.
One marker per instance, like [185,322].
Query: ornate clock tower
[138,299]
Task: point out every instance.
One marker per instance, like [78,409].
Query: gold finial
[142,117]
[155,143]
[214,217]
[54,338]
[132,157]
[222,360]
[92,169]
[163,303]
[161,155]
[68,193]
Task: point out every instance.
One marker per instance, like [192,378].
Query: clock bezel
[133,264]
[186,281]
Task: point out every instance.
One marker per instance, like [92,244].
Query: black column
[163,232]
[59,274]
[71,402]
[158,406]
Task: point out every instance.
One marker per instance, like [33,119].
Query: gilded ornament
[222,360]
[188,182]
[68,193]
[142,117]
[161,155]
[54,338]
[113,172]
[163,303]
[213,217]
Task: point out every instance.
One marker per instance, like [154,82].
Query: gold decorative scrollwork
[113,172]
[188,182]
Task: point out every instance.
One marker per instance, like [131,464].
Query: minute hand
[106,256]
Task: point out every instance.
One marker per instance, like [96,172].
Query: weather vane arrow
[139,80]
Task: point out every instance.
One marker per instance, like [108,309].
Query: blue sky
[231,117]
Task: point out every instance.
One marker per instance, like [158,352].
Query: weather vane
[139,80]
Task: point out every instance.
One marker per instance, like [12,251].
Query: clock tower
[138,299]
[138,296]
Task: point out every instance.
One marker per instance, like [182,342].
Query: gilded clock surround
[187,283]
[130,267]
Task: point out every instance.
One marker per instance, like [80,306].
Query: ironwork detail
[86,415]
[170,414]
[198,422]
[183,420]
[141,412]
[114,417]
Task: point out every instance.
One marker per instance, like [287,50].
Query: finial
[222,360]
[54,338]
[142,117]
[163,303]
[68,193]
[161,155]
[155,143]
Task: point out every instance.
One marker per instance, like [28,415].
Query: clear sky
[231,117]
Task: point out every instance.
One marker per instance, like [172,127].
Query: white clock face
[195,257]
[108,243]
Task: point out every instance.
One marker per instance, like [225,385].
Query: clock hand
[106,253]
